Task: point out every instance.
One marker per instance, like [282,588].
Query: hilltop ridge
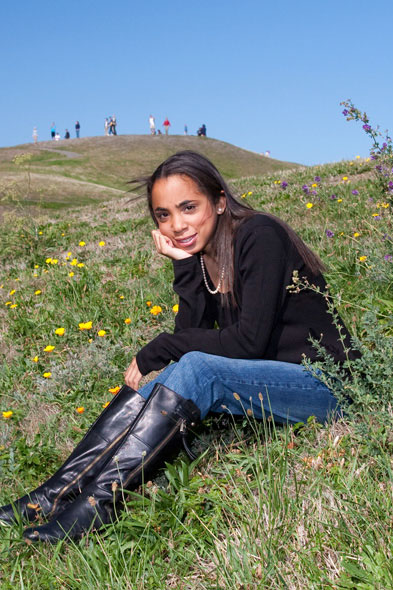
[80,171]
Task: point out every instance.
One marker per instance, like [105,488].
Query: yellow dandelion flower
[54,261]
[102,243]
[17,279]
[90,340]
[114,390]
[74,262]
[8,302]
[101,333]
[358,157]
[351,163]
[35,275]
[82,243]
[339,200]
[81,264]
[38,292]
[12,292]
[7,414]
[243,196]
[71,274]
[148,303]
[80,410]
[368,159]
[249,193]
[127,321]
[155,310]
[175,308]
[356,234]
[375,215]
[121,297]
[314,185]
[62,235]
[35,359]
[85,325]
[362,258]
[60,331]
[36,266]
[1,286]
[48,260]
[49,348]
[345,178]
[40,233]
[13,306]
[47,375]
[105,405]
[309,205]
[385,205]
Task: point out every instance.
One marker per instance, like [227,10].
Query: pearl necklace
[211,291]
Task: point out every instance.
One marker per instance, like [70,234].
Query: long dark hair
[211,183]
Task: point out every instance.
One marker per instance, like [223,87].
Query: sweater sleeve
[263,274]
[194,310]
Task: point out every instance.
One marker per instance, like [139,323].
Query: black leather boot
[158,429]
[87,459]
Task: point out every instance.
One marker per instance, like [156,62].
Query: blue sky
[261,75]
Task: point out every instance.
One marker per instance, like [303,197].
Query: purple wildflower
[355,192]
[388,257]
[377,217]
[313,192]
[367,127]
[305,188]
[317,179]
[333,197]
[329,233]
[345,112]
[379,168]
[284,184]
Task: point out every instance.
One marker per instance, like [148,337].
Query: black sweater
[268,322]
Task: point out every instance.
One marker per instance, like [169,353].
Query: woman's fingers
[132,376]
[165,246]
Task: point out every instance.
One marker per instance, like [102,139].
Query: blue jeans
[286,391]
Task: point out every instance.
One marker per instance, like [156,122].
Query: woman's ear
[221,204]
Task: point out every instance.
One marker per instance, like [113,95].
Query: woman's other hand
[165,246]
[133,375]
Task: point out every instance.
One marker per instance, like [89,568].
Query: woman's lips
[187,242]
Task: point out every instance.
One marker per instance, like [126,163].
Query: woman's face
[184,214]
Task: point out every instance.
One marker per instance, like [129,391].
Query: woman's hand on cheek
[133,375]
[165,246]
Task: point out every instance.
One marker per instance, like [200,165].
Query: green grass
[263,506]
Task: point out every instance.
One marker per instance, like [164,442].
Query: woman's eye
[161,216]
[190,207]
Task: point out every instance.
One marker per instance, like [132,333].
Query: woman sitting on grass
[240,336]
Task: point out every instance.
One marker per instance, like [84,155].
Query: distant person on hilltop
[67,134]
[202,131]
[166,124]
[106,126]
[53,131]
[57,136]
[112,125]
[35,135]
[152,125]
[185,130]
[77,128]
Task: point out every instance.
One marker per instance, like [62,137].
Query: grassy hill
[53,175]
[306,506]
